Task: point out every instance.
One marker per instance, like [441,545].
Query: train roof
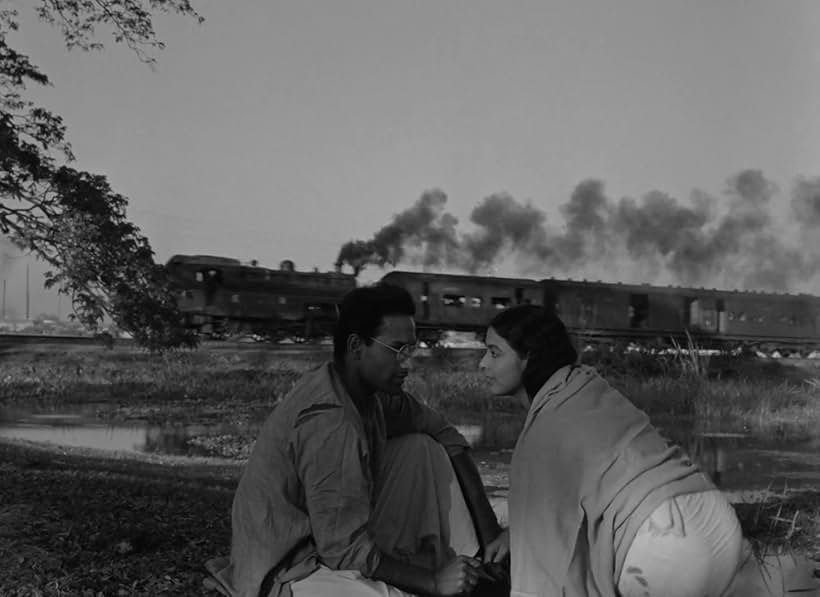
[203,259]
[694,290]
[234,264]
[464,277]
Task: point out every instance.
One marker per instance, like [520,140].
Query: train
[220,296]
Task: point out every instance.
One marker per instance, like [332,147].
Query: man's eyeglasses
[403,353]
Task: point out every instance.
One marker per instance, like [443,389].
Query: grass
[78,522]
[782,520]
[128,383]
[74,523]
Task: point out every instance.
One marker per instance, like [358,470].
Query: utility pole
[27,293]
[4,299]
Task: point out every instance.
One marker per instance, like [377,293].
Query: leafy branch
[71,219]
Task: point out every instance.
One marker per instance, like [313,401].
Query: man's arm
[459,576]
[405,576]
[331,466]
[337,497]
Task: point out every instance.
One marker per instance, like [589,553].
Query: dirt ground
[80,522]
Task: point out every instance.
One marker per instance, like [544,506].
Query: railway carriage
[599,310]
[713,318]
[768,320]
[221,296]
[461,302]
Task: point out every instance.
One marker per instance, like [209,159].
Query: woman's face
[503,367]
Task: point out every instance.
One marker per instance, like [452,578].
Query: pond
[732,460]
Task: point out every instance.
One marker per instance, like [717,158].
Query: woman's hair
[362,312]
[536,333]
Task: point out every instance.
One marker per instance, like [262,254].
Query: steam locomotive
[221,296]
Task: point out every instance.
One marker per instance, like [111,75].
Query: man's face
[383,369]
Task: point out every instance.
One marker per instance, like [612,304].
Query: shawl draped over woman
[587,470]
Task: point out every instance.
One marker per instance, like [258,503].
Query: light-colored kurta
[587,470]
[308,491]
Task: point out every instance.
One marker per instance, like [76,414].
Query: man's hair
[536,333]
[362,312]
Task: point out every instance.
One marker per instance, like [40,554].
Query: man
[354,487]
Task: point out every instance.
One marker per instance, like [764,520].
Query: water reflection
[83,430]
[103,437]
[732,460]
[712,452]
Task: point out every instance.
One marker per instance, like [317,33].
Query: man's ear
[354,346]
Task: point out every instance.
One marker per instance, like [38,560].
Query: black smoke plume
[730,241]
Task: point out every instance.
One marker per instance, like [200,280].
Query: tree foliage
[71,219]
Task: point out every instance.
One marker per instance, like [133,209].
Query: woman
[600,503]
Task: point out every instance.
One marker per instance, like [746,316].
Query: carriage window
[189,294]
[283,300]
[199,277]
[500,302]
[453,300]
[234,298]
[475,302]
[322,308]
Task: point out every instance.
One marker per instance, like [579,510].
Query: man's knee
[415,447]
[416,457]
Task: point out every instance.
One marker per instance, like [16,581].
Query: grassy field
[125,384]
[80,522]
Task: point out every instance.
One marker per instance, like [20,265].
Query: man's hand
[459,575]
[498,549]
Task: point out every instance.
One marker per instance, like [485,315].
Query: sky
[284,130]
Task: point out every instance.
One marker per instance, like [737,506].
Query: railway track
[15,341]
[10,340]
